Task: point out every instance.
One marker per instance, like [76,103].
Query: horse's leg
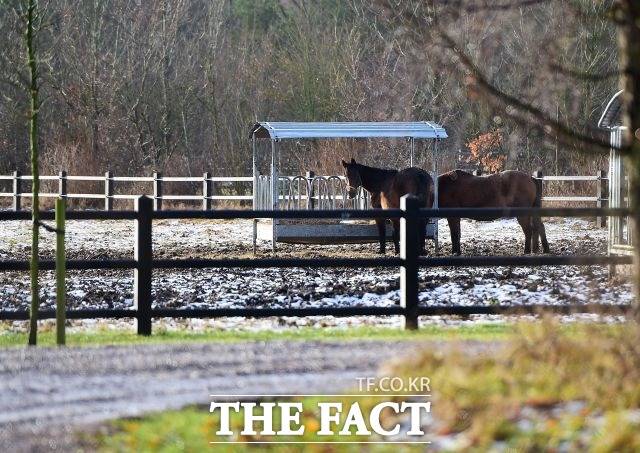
[525,223]
[422,224]
[535,235]
[382,234]
[454,228]
[396,234]
[543,235]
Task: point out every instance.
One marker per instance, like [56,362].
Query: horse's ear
[344,164]
[353,161]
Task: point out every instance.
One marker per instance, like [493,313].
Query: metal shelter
[267,190]
[620,231]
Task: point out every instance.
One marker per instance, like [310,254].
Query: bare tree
[29,14]
[175,84]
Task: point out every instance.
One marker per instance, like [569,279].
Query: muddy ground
[234,288]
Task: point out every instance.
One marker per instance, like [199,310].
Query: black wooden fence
[408,261]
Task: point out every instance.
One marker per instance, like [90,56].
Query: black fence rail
[409,263]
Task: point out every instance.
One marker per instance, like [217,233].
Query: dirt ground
[235,288]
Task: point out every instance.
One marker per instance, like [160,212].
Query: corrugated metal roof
[285,130]
[611,117]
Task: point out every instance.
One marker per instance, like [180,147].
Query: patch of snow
[238,288]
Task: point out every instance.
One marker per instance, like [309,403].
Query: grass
[192,430]
[100,337]
[515,398]
[547,390]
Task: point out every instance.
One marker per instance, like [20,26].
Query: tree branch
[550,126]
[584,75]
[476,79]
[489,5]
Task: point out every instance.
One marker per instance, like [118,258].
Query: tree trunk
[628,14]
[33,146]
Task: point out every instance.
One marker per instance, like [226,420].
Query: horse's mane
[372,178]
[375,169]
[457,173]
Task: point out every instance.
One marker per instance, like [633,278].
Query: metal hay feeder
[273,191]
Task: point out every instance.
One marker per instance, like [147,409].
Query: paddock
[349,282]
[423,291]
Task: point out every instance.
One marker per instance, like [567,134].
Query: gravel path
[47,394]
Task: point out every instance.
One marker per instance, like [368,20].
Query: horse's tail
[426,189]
[537,202]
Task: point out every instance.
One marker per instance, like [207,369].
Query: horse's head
[354,181]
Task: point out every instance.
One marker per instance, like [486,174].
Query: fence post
[409,252]
[157,191]
[535,235]
[602,197]
[62,184]
[17,190]
[61,269]
[108,191]
[537,175]
[310,201]
[206,191]
[143,271]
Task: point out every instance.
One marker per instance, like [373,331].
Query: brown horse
[386,187]
[508,189]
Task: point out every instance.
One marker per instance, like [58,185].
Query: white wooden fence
[600,197]
[206,197]
[208,191]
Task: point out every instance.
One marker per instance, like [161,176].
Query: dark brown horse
[509,189]
[386,187]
